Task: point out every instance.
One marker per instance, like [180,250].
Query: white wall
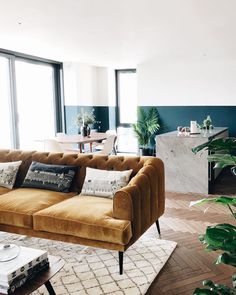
[87,85]
[163,82]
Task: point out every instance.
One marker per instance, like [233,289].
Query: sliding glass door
[35,103]
[30,102]
[6,138]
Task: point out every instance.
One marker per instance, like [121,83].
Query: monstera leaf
[222,160]
[214,289]
[221,144]
[221,237]
[222,200]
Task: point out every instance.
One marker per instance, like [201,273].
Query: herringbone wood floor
[190,263]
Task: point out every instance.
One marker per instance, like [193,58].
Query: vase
[84,130]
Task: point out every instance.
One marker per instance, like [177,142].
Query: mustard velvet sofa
[113,224]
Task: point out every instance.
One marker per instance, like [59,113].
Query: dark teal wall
[104,115]
[222,116]
[171,116]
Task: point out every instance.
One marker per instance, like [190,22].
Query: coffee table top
[55,265]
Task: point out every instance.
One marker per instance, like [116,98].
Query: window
[126,114]
[6,139]
[30,104]
[126,86]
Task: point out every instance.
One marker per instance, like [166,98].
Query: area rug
[93,271]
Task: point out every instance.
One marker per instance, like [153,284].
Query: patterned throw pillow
[52,177]
[8,172]
[104,183]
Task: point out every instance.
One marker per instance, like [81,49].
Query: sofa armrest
[125,203]
[127,206]
[142,200]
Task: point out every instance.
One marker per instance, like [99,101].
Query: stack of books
[14,273]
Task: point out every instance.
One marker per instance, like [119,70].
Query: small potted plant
[207,123]
[145,128]
[83,120]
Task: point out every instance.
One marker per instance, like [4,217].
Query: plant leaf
[218,200]
[147,125]
[222,160]
[199,291]
[219,144]
[226,258]
[220,237]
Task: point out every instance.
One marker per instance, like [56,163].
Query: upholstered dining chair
[100,146]
[109,146]
[52,145]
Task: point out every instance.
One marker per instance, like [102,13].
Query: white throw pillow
[104,183]
[8,172]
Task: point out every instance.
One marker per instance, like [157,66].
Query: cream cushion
[8,172]
[104,183]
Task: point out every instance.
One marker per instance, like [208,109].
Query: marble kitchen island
[184,171]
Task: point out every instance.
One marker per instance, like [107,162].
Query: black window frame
[57,66]
[117,83]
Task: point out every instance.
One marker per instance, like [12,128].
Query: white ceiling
[119,33]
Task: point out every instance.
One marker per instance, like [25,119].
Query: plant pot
[144,152]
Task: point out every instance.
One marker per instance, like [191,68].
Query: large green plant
[221,237]
[146,126]
[221,152]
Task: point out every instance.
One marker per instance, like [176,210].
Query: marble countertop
[203,133]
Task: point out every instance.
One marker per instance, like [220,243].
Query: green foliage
[218,200]
[226,145]
[85,118]
[222,152]
[146,126]
[214,289]
[223,200]
[221,237]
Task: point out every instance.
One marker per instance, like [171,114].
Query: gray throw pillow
[8,172]
[104,183]
[52,177]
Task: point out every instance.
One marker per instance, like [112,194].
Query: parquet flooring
[190,264]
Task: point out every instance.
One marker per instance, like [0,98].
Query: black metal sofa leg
[121,255]
[158,227]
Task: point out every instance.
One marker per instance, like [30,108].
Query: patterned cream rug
[93,271]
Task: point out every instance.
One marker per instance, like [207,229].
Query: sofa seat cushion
[86,217]
[18,206]
[4,190]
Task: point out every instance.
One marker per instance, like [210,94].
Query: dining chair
[100,146]
[67,147]
[52,145]
[109,146]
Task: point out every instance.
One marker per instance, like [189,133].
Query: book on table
[25,266]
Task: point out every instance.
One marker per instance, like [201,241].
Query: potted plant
[145,128]
[207,123]
[221,237]
[83,120]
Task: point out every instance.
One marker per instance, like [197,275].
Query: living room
[63,60]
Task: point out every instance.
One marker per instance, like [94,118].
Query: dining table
[81,140]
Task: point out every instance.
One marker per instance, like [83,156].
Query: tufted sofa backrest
[118,163]
[17,155]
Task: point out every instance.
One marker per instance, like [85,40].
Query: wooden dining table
[81,140]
